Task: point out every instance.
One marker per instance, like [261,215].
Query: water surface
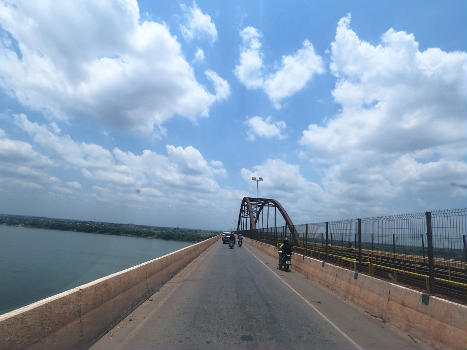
[37,263]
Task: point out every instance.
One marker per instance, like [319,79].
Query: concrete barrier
[75,319]
[441,323]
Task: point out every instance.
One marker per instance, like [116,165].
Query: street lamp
[257,180]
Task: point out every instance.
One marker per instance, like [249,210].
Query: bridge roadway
[237,299]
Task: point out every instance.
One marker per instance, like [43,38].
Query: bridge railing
[423,250]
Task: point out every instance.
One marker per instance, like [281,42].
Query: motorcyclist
[240,237]
[286,248]
[232,238]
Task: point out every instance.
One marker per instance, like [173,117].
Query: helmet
[286,239]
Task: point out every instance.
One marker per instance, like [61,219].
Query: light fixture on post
[257,180]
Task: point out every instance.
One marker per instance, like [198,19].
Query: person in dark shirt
[286,248]
[232,237]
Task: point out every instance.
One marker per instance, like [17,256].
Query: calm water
[37,263]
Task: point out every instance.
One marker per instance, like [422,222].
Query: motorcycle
[240,242]
[231,244]
[284,261]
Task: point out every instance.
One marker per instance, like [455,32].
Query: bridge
[208,296]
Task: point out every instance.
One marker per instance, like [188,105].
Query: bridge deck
[235,299]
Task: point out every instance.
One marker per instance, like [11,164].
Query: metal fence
[423,250]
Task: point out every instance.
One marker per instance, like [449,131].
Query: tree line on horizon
[167,233]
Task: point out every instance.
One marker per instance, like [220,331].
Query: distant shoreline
[167,233]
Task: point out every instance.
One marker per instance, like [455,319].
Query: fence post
[359,232]
[306,239]
[429,238]
[423,249]
[465,249]
[275,235]
[371,258]
[393,246]
[327,242]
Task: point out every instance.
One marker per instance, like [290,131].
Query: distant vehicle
[225,237]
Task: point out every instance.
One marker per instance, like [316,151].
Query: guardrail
[424,250]
[76,318]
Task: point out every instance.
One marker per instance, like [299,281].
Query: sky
[160,113]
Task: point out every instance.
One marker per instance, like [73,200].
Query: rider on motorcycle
[240,237]
[232,238]
[286,248]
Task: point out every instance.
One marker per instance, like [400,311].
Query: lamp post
[257,180]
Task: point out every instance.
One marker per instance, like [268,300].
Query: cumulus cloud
[63,147]
[14,151]
[111,182]
[182,167]
[304,200]
[198,24]
[103,63]
[24,168]
[401,128]
[265,127]
[183,170]
[199,55]
[250,69]
[221,86]
[293,75]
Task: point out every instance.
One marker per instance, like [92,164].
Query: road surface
[237,299]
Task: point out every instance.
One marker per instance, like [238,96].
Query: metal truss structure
[252,211]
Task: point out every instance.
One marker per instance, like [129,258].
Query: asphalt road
[237,299]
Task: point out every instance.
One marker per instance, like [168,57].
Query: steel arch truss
[251,210]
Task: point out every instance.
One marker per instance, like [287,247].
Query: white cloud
[303,200]
[22,168]
[399,139]
[250,69]
[198,25]
[120,176]
[293,75]
[14,151]
[280,178]
[99,61]
[199,55]
[64,147]
[265,127]
[216,163]
[183,168]
[221,86]
[110,184]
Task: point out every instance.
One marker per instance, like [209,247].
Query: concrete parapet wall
[76,318]
[440,323]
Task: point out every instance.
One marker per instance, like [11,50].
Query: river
[37,263]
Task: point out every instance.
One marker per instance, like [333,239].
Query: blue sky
[160,112]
